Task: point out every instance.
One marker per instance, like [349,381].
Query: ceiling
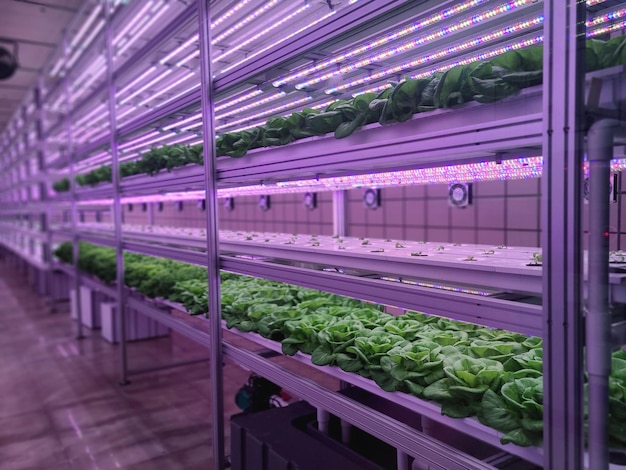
[36,26]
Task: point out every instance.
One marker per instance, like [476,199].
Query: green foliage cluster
[61,185]
[469,370]
[481,81]
[151,163]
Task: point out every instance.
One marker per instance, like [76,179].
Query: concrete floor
[61,406]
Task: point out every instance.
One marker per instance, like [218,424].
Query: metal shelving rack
[538,118]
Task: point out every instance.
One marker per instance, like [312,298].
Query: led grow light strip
[162,91]
[86,25]
[260,123]
[267,112]
[133,22]
[252,16]
[521,168]
[83,47]
[230,13]
[138,139]
[155,16]
[255,104]
[184,121]
[512,29]
[606,29]
[178,95]
[180,48]
[146,86]
[241,99]
[445,14]
[462,290]
[262,33]
[417,42]
[151,141]
[606,17]
[281,40]
[135,81]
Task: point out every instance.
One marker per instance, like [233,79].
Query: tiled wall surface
[502,212]
[287,214]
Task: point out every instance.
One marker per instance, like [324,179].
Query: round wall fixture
[229,204]
[144,207]
[460,194]
[371,198]
[179,206]
[310,201]
[160,206]
[8,62]
[264,202]
[202,204]
[130,207]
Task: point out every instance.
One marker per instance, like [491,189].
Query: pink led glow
[79,35]
[253,105]
[178,95]
[417,42]
[245,21]
[440,54]
[130,85]
[521,168]
[180,48]
[137,34]
[436,18]
[184,121]
[276,43]
[606,17]
[267,112]
[186,59]
[260,123]
[240,99]
[85,44]
[146,86]
[139,139]
[230,13]
[164,90]
[147,143]
[607,29]
[141,14]
[272,27]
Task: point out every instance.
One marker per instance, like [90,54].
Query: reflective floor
[61,406]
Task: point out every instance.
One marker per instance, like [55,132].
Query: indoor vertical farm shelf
[159,101]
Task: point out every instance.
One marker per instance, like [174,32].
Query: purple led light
[440,54]
[421,24]
[167,88]
[140,15]
[417,42]
[178,95]
[146,86]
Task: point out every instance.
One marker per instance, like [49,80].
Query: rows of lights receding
[381,41]
[270,28]
[443,53]
[440,54]
[281,40]
[417,42]
[598,20]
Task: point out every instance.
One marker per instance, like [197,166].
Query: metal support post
[73,187]
[151,213]
[564,68]
[598,325]
[117,206]
[213,271]
[44,216]
[339,213]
